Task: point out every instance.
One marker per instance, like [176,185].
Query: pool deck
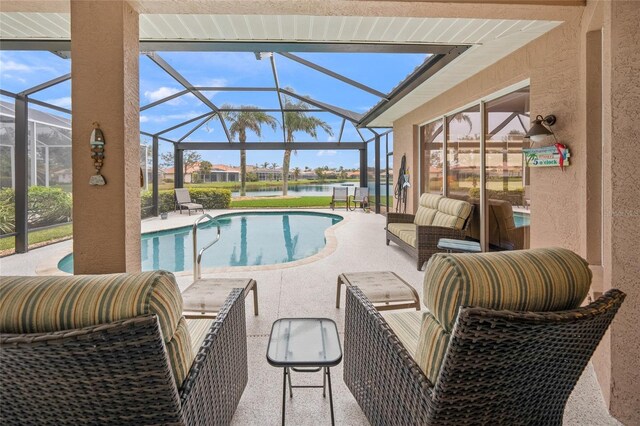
[308,290]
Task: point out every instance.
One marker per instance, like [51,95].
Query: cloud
[331,138]
[144,119]
[169,117]
[64,102]
[214,82]
[10,65]
[161,93]
[326,153]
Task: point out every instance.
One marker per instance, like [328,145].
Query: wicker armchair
[122,372]
[437,217]
[498,366]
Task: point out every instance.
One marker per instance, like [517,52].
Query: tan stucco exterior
[104,88]
[556,65]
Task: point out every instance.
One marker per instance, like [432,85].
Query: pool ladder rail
[197,255]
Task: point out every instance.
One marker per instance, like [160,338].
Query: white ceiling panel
[493,39]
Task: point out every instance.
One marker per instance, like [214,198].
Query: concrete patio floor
[308,290]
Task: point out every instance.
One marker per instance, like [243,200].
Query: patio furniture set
[503,339]
[341,195]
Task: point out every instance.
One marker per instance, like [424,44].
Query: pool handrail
[197,255]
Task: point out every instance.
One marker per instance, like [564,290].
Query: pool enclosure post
[363,166]
[21,171]
[154,170]
[377,171]
[178,167]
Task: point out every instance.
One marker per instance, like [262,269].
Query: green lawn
[38,237]
[282,202]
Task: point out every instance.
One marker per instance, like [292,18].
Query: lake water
[315,190]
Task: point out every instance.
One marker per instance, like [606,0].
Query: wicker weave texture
[501,367]
[212,390]
[118,374]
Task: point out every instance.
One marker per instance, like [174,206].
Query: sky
[21,70]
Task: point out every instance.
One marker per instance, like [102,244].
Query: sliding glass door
[452,150]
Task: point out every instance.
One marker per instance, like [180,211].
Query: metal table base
[326,377]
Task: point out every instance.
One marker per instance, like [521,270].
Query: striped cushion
[46,304]
[430,200]
[406,325]
[398,228]
[198,329]
[431,346]
[458,208]
[446,220]
[180,352]
[408,237]
[551,279]
[424,216]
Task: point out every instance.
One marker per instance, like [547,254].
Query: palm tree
[274,166]
[265,164]
[298,121]
[296,173]
[241,121]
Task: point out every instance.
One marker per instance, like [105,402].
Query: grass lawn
[265,202]
[38,238]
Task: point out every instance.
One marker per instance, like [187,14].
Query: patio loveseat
[504,341]
[437,217]
[116,349]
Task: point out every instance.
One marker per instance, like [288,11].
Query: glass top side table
[304,345]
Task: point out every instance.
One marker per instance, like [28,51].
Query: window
[463,153]
[432,142]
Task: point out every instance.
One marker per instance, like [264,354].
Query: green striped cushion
[198,329]
[424,216]
[454,207]
[406,325]
[408,237]
[430,200]
[546,279]
[431,347]
[180,352]
[447,221]
[46,304]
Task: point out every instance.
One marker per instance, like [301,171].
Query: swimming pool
[247,239]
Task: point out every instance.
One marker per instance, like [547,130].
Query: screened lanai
[182,110]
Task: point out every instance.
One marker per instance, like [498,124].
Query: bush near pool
[210,198]
[46,206]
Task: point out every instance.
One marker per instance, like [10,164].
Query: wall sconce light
[541,128]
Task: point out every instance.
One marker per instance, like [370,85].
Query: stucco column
[622,202]
[104,76]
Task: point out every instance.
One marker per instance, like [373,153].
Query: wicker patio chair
[126,366]
[183,201]
[340,195]
[437,217]
[360,196]
[470,364]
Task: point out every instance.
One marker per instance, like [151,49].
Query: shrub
[46,206]
[210,198]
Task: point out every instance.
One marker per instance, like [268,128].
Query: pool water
[247,239]
[521,219]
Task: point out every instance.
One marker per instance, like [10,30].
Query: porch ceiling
[490,39]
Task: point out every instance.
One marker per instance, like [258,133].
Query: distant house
[269,174]
[218,173]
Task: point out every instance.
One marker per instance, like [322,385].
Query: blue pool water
[247,239]
[521,219]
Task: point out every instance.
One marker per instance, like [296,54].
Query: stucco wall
[104,89]
[556,65]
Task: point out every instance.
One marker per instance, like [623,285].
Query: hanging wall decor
[97,154]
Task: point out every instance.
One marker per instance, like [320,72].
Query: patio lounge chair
[340,195]
[504,341]
[360,196]
[116,349]
[183,201]
[437,217]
